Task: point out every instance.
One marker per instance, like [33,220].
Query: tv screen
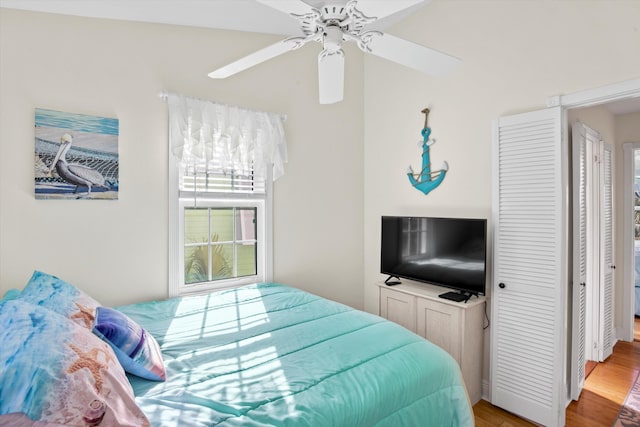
[449,252]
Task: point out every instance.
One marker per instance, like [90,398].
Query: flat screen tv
[448,252]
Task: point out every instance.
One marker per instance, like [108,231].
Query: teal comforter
[271,355]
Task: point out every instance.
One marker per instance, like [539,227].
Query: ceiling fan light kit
[335,22]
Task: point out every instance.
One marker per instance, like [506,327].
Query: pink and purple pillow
[137,351]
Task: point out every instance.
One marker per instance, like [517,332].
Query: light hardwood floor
[604,392]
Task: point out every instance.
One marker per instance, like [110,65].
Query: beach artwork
[76,156]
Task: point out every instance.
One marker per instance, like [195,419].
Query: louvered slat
[527,334]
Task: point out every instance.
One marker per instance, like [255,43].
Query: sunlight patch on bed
[263,366]
[253,312]
[201,316]
[224,366]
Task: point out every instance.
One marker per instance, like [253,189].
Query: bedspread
[268,354]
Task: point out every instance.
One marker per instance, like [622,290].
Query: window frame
[179,200]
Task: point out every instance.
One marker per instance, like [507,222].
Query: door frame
[592,97]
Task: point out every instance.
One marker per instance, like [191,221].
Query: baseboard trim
[486,391]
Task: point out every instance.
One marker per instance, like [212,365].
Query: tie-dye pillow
[136,349]
[57,295]
[54,371]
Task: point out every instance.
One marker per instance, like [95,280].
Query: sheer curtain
[226,138]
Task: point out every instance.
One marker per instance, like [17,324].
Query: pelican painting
[78,175]
[76,156]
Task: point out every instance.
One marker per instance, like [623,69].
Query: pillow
[11,294]
[52,370]
[57,295]
[135,348]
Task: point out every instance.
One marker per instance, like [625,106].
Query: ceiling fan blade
[331,77]
[412,55]
[297,7]
[255,58]
[381,8]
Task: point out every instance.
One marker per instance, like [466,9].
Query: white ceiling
[241,15]
[625,106]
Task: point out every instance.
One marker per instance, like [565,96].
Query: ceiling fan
[333,22]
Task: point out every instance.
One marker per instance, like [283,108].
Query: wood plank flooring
[604,392]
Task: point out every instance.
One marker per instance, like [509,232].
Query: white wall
[117,250]
[515,55]
[627,128]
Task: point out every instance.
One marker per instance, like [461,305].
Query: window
[222,232]
[220,200]
[219,243]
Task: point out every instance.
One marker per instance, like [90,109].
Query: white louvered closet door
[578,334]
[606,331]
[528,340]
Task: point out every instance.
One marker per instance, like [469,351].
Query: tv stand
[456,296]
[454,326]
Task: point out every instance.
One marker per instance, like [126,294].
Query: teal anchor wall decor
[426,180]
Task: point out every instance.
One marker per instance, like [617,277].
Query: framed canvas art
[76,156]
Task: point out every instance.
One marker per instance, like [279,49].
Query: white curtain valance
[225,137]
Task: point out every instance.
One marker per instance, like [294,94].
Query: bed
[259,355]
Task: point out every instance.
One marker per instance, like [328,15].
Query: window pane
[222,225]
[220,243]
[196,225]
[196,264]
[221,261]
[246,259]
[246,224]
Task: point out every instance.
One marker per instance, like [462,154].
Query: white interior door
[593,241]
[579,294]
[528,345]
[606,331]
[593,334]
